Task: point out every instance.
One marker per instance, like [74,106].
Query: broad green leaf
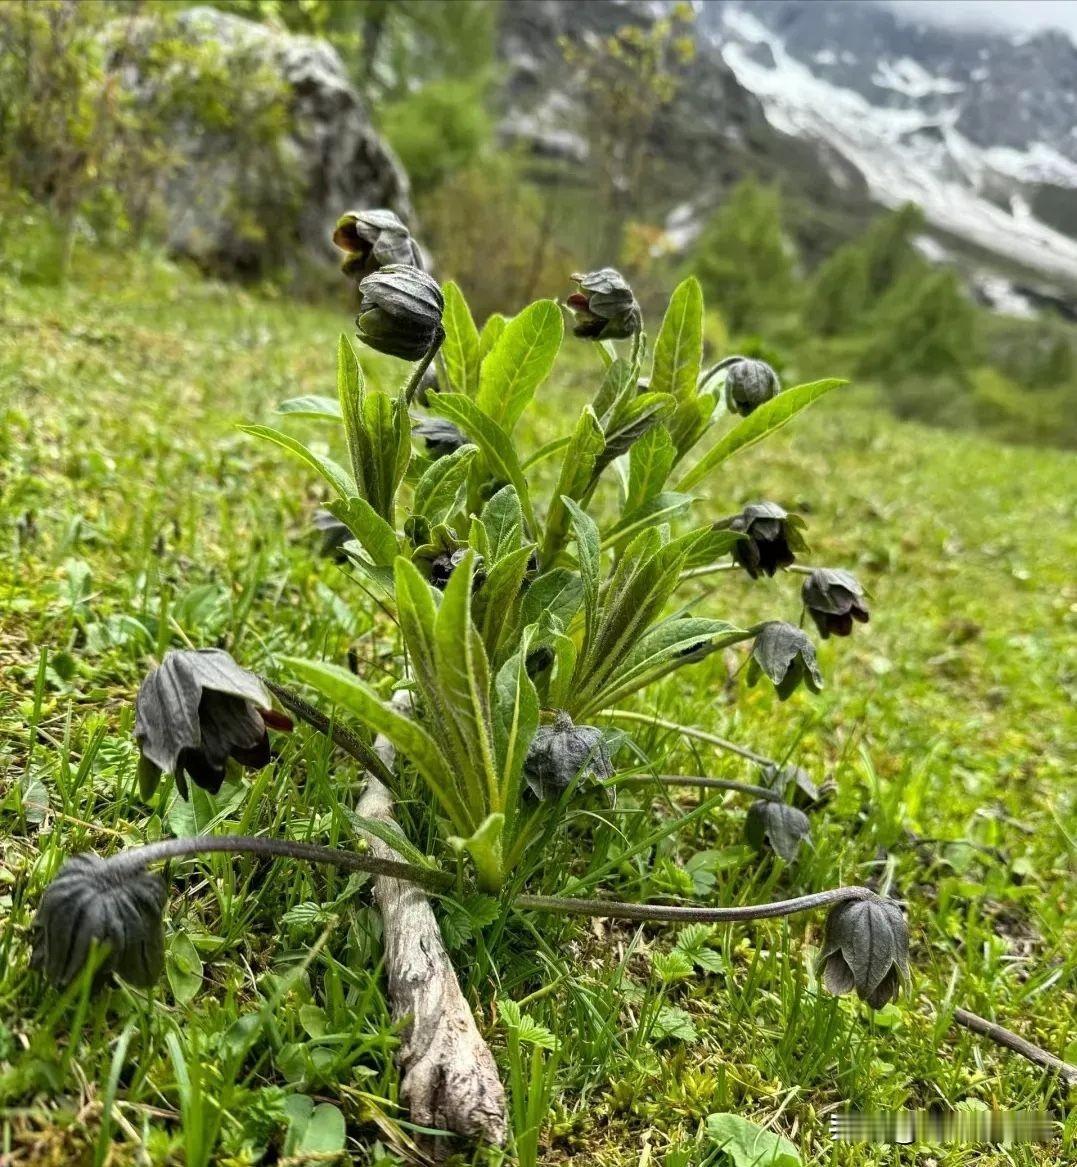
[618,385]
[564,665]
[491,333]
[632,422]
[442,490]
[703,547]
[749,1145]
[577,472]
[464,679]
[649,463]
[461,345]
[325,1132]
[332,472]
[588,553]
[494,604]
[410,739]
[690,421]
[765,420]
[417,614]
[503,518]
[516,718]
[484,845]
[678,351]
[496,445]
[558,593]
[375,535]
[662,508]
[311,406]
[519,362]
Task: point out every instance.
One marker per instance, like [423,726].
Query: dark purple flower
[834,599]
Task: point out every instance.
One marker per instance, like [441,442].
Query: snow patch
[911,79]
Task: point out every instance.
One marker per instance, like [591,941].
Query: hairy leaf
[337,477]
[461,345]
[519,362]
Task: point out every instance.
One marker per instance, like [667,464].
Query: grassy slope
[126,491]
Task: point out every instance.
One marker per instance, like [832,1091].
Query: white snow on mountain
[907,154]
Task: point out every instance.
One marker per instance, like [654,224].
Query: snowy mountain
[977,127]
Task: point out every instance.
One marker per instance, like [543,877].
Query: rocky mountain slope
[976,126]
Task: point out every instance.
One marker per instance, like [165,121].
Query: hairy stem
[699,780]
[688,731]
[676,913]
[417,374]
[137,858]
[349,742]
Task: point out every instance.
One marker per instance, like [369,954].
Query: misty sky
[1019,15]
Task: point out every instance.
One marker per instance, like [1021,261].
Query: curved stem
[136,858]
[688,731]
[675,913]
[699,780]
[708,569]
[417,374]
[724,363]
[349,742]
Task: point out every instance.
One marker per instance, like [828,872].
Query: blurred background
[882,190]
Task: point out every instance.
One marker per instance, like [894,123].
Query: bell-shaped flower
[89,901]
[195,712]
[866,948]
[604,308]
[771,538]
[563,750]
[781,826]
[400,310]
[834,599]
[786,656]
[372,240]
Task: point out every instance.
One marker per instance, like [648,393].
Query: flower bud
[786,656]
[792,779]
[92,901]
[400,312]
[772,538]
[372,240]
[560,752]
[834,599]
[866,948]
[604,307]
[777,824]
[750,383]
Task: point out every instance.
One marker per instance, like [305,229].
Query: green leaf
[673,1023]
[649,463]
[442,490]
[390,834]
[491,333]
[660,509]
[547,450]
[334,474]
[765,420]
[704,547]
[503,518]
[495,443]
[519,362]
[484,845]
[463,674]
[633,421]
[378,539]
[325,1132]
[557,593]
[678,351]
[577,472]
[379,434]
[461,345]
[526,1028]
[183,968]
[516,718]
[749,1145]
[618,386]
[494,603]
[410,739]
[588,553]
[311,406]
[418,615]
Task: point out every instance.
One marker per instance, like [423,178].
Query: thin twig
[688,731]
[1012,1041]
[698,780]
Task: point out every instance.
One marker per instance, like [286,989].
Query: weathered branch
[449,1077]
[1013,1041]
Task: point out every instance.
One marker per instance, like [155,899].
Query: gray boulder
[240,201]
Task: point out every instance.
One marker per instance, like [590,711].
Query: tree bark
[448,1075]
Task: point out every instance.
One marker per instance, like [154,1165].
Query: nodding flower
[604,308]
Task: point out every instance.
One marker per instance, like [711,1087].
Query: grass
[135,518]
